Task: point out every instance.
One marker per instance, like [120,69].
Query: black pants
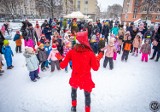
[156,51]
[106,38]
[18,48]
[106,60]
[125,55]
[86,94]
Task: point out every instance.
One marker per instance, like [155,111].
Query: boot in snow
[133,54]
[73,109]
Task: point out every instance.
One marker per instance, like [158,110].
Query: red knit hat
[54,46]
[82,37]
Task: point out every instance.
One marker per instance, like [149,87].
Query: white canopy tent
[77,15]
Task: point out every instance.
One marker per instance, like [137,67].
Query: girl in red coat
[83,59]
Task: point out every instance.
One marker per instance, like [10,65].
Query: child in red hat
[54,59]
[83,59]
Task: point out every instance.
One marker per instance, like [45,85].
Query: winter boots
[74,104]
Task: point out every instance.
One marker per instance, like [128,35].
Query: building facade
[141,9]
[87,7]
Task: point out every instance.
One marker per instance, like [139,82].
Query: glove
[12,54]
[100,56]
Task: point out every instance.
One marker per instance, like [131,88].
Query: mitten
[100,56]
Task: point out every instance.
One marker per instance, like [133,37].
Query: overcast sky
[104,3]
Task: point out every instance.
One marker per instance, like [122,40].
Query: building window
[158,17]
[86,2]
[158,9]
[78,5]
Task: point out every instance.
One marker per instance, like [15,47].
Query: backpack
[127,47]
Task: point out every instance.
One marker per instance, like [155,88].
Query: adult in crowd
[48,32]
[156,46]
[1,41]
[90,29]
[31,39]
[38,30]
[44,24]
[105,31]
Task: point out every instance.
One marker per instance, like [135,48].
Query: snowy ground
[129,87]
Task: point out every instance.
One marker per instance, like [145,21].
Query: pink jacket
[52,55]
[3,29]
[110,51]
[38,32]
[136,42]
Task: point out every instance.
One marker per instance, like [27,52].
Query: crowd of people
[57,43]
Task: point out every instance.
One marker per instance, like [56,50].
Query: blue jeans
[33,74]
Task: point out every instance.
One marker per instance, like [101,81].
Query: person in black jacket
[90,29]
[105,31]
[1,41]
[23,29]
[157,48]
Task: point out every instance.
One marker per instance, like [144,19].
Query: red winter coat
[83,59]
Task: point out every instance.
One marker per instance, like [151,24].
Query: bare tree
[113,11]
[50,5]
[10,6]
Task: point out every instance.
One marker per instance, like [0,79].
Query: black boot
[151,58]
[73,109]
[157,59]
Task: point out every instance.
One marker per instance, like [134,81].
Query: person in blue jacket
[7,51]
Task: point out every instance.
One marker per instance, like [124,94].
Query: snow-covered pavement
[129,87]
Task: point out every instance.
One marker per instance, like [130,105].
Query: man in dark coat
[105,31]
[157,48]
[48,32]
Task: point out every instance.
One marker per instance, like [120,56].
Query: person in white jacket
[54,60]
[32,63]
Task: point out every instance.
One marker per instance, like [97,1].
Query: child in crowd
[42,56]
[48,49]
[7,51]
[137,43]
[67,48]
[32,63]
[117,46]
[145,50]
[17,39]
[126,47]
[43,39]
[54,60]
[110,49]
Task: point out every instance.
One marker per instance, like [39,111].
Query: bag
[59,56]
[29,43]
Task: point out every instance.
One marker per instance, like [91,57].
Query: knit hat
[54,47]
[82,38]
[17,32]
[5,42]
[111,42]
[41,46]
[128,32]
[42,35]
[139,34]
[29,50]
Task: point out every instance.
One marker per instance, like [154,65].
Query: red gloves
[100,56]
